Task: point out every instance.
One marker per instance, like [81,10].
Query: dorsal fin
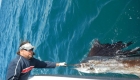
[95,49]
[107,49]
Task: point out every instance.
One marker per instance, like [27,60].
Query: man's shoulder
[16,59]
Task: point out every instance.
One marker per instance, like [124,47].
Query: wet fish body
[110,65]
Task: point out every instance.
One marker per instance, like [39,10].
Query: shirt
[20,67]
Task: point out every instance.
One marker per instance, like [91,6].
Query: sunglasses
[29,49]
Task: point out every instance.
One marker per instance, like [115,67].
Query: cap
[26,46]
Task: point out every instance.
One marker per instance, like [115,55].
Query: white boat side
[64,77]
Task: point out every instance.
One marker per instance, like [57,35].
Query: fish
[111,58]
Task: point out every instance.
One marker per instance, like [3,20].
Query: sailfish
[111,58]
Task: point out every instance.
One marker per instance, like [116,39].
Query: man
[21,66]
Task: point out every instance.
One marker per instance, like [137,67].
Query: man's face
[27,53]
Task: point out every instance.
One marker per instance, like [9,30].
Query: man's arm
[42,64]
[46,64]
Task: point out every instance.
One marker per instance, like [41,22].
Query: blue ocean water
[63,30]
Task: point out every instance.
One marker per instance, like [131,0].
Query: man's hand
[61,64]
